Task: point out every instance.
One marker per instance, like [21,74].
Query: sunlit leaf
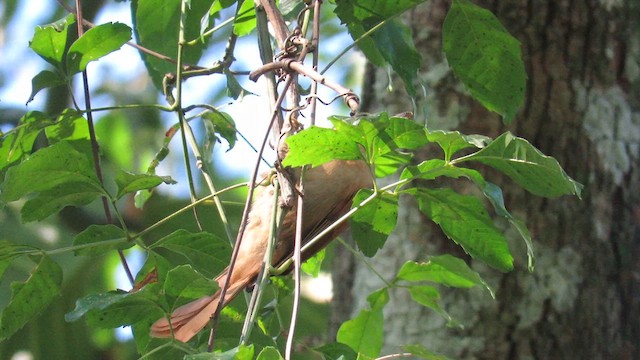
[363,333]
[423,353]
[444,269]
[70,125]
[241,352]
[453,141]
[378,299]
[18,144]
[527,166]
[48,168]
[130,183]
[313,265]
[51,41]
[245,21]
[485,57]
[464,219]
[372,224]
[96,43]
[315,146]
[269,353]
[31,297]
[44,79]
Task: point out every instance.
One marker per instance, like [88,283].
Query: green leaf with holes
[485,57]
[31,297]
[372,224]
[316,146]
[48,168]
[464,220]
[538,173]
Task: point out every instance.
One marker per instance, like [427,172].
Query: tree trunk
[582,107]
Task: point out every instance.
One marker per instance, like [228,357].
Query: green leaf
[51,41]
[269,353]
[10,251]
[51,201]
[444,269]
[245,21]
[494,194]
[31,297]
[485,57]
[395,43]
[48,168]
[378,299]
[432,169]
[453,141]
[222,124]
[130,183]
[361,16]
[337,351]
[118,308]
[363,333]
[15,146]
[315,146]
[183,282]
[423,353]
[207,253]
[44,79]
[94,301]
[430,297]
[70,125]
[156,25]
[97,239]
[241,352]
[313,265]
[527,166]
[464,219]
[372,224]
[96,43]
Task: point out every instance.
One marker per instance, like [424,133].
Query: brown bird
[328,192]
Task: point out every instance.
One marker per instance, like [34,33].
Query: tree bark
[583,108]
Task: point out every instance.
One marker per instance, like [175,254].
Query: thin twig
[350,98]
[95,150]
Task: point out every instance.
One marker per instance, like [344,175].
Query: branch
[350,98]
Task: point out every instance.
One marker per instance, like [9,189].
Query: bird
[328,191]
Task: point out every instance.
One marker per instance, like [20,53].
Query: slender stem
[177,106]
[95,149]
[296,269]
[211,31]
[186,208]
[204,169]
[361,257]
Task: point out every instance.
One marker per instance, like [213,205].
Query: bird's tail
[187,320]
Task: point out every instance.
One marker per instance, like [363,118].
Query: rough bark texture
[583,108]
